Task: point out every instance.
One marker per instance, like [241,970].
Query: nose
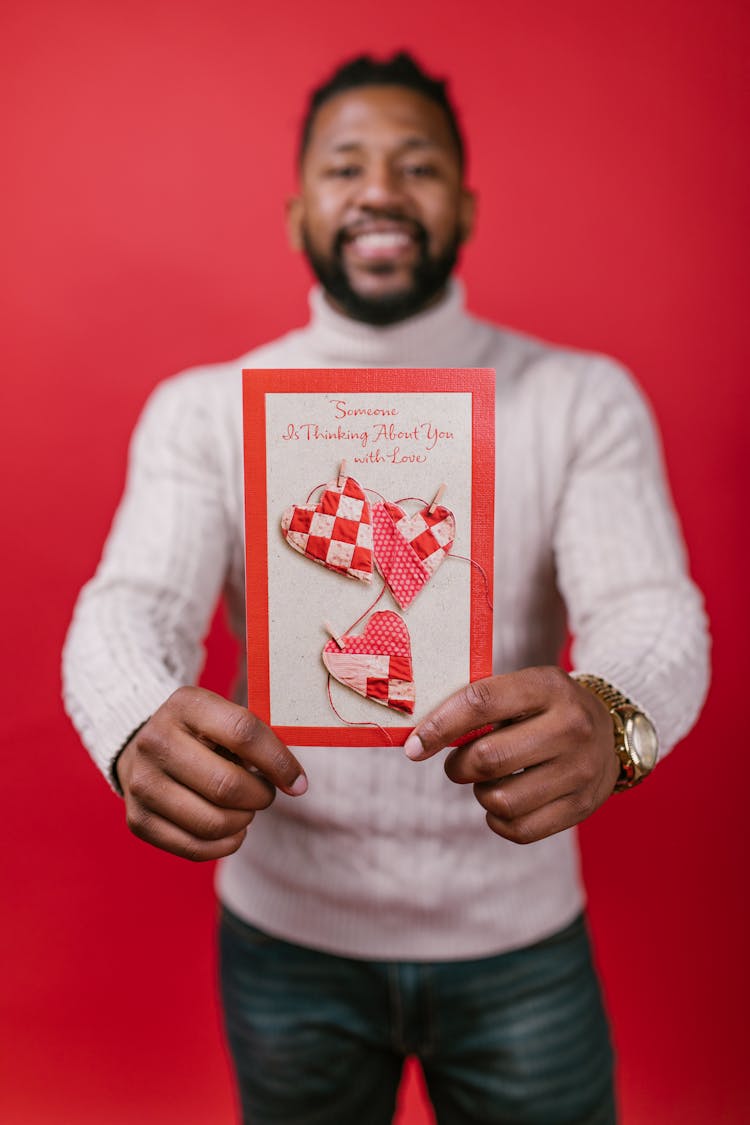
[380,186]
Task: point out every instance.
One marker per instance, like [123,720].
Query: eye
[421,171]
[343,171]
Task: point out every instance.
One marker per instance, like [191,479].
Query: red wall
[146,161]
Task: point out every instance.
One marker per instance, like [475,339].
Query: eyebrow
[404,146]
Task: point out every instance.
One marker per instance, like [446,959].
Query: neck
[440,335]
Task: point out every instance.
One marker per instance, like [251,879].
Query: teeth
[381,239]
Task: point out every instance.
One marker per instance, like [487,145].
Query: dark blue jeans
[516,1039]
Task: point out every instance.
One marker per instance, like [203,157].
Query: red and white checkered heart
[336,532]
[377,662]
[409,549]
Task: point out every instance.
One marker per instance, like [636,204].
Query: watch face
[642,741]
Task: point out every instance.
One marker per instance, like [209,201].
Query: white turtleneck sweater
[383,857]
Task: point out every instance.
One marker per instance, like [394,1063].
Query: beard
[430,275]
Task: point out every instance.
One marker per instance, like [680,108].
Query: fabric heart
[409,549]
[336,532]
[377,662]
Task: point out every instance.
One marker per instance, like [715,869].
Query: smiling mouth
[381,244]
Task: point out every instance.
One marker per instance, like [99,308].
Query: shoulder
[524,358]
[570,404]
[560,378]
[207,390]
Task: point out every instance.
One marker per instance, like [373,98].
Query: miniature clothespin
[438,498]
[330,629]
[342,474]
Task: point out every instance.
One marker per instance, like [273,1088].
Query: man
[379,907]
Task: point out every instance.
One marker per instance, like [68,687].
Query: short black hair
[399,70]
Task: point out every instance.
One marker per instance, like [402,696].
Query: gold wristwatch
[636,744]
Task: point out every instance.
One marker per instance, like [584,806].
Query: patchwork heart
[377,662]
[409,549]
[336,532]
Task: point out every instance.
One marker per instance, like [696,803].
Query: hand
[544,724]
[184,793]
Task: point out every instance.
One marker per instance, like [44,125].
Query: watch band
[630,772]
[608,694]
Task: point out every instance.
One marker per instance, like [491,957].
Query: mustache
[351,230]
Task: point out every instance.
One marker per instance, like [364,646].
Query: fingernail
[299,787]
[413,747]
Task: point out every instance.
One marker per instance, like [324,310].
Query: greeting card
[369,499]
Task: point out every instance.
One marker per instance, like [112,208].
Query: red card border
[256,384]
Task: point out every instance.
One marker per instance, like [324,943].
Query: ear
[467,209]
[294,217]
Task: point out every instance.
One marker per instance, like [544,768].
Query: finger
[501,753]
[155,830]
[525,792]
[537,825]
[497,699]
[211,775]
[187,810]
[549,735]
[209,716]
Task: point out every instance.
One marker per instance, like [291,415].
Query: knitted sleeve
[636,617]
[138,626]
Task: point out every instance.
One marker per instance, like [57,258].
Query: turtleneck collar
[444,335]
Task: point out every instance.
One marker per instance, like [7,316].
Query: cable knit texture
[385,858]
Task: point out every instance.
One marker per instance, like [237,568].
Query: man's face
[382,209]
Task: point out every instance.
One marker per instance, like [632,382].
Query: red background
[146,160]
